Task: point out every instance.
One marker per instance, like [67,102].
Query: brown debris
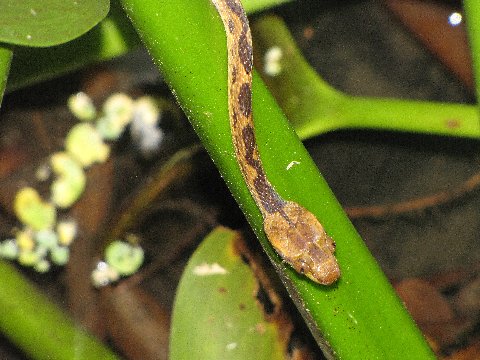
[138,325]
[447,310]
[428,22]
[90,213]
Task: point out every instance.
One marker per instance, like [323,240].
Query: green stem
[259,5]
[360,317]
[36,326]
[472,14]
[314,107]
[457,120]
[113,37]
[5,61]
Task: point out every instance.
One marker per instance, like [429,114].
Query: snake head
[319,264]
[301,241]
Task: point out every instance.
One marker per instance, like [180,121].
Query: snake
[294,232]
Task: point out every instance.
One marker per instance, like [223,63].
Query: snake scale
[294,232]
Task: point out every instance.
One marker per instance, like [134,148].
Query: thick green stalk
[323,108]
[472,14]
[358,318]
[5,61]
[37,327]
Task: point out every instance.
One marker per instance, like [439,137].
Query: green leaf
[216,315]
[48,22]
[32,210]
[112,37]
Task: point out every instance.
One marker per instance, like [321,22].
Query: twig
[418,204]
[205,220]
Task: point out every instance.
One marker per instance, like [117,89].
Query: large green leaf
[48,22]
[216,314]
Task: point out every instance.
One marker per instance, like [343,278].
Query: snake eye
[301,266]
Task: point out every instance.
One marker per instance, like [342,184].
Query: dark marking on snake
[245,52]
[234,74]
[231,25]
[237,9]
[248,137]
[245,99]
[234,118]
[270,201]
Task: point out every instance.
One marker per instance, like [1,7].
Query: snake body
[294,232]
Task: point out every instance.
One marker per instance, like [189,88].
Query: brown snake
[294,232]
